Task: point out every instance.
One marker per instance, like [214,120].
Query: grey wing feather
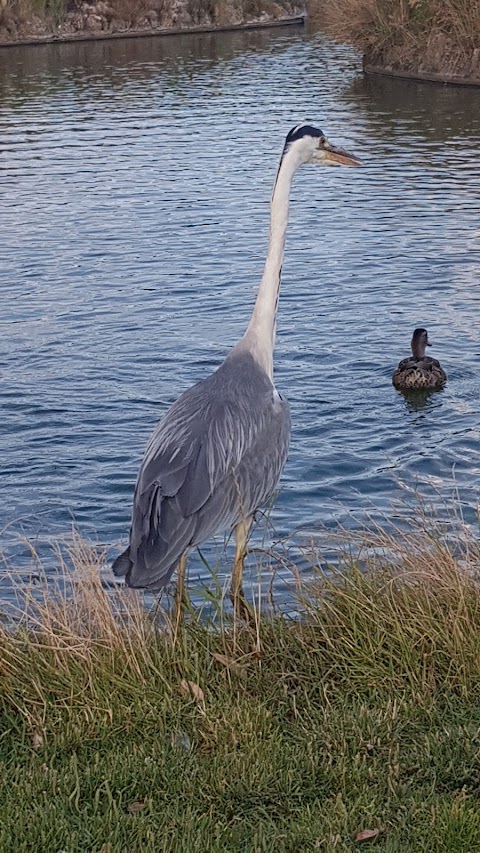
[254,480]
[215,456]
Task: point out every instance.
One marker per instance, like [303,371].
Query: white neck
[259,338]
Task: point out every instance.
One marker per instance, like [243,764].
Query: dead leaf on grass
[228,663]
[37,740]
[136,807]
[195,689]
[367,834]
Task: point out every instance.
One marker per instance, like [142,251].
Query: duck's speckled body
[419,371]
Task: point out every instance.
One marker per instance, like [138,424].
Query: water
[135,185]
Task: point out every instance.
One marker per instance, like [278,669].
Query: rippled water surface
[135,184]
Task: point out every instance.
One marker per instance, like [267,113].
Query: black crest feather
[302,130]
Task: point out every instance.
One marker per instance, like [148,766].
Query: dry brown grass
[72,639]
[407,611]
[396,610]
[440,36]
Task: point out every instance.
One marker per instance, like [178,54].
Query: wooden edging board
[421,76]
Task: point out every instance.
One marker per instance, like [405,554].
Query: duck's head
[420,342]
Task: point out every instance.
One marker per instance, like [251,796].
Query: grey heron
[418,370]
[217,454]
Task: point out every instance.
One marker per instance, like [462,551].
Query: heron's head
[420,342]
[310,145]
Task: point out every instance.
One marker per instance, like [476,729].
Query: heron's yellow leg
[181,595]
[237,595]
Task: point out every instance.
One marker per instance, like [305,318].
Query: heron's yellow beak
[339,156]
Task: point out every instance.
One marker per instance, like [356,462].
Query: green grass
[280,736]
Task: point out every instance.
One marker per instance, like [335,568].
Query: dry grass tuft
[439,36]
[397,610]
[406,612]
[73,639]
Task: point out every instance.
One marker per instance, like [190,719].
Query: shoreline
[103,35]
[419,76]
[124,730]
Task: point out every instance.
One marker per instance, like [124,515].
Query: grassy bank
[37,20]
[431,36]
[364,717]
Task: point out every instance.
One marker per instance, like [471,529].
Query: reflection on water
[27,72]
[136,177]
[421,399]
[395,108]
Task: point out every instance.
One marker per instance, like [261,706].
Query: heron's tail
[122,565]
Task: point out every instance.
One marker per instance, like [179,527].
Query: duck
[418,370]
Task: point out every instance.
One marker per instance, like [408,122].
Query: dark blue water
[135,185]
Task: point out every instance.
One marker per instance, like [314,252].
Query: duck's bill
[340,157]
